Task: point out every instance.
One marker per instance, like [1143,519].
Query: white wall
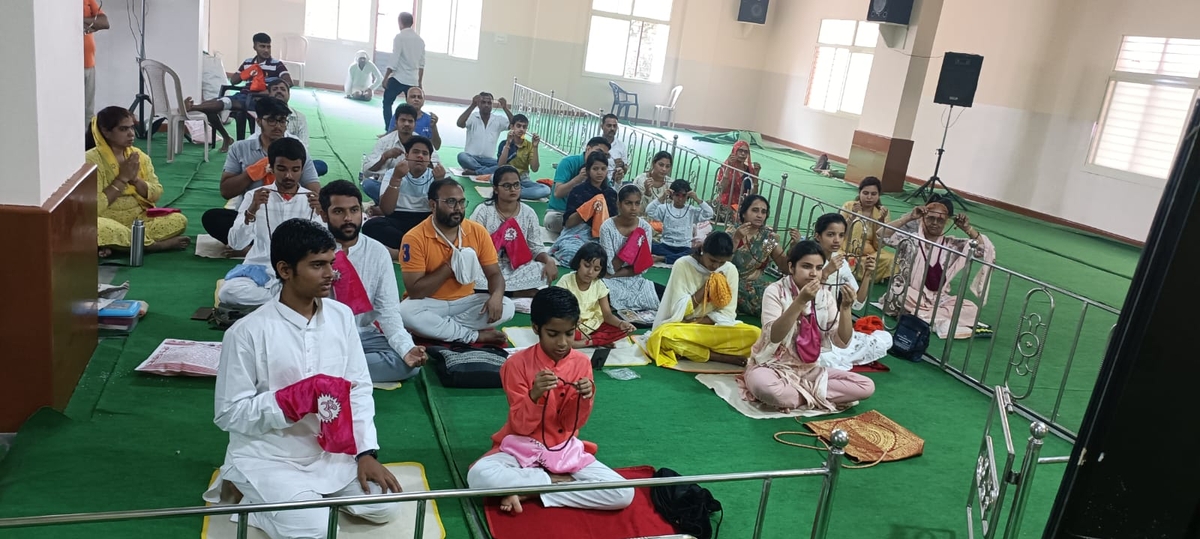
[173,37]
[47,149]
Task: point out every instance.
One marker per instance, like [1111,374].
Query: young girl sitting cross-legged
[598,326]
[550,396]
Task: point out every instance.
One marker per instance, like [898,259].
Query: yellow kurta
[116,220]
[676,335]
[863,238]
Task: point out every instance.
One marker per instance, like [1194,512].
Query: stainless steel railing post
[838,439]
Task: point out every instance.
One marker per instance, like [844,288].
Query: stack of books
[119,317]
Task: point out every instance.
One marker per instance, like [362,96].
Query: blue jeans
[371,187]
[384,363]
[531,190]
[321,167]
[479,163]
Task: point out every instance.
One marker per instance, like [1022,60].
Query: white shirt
[267,219]
[375,268]
[385,143]
[482,138]
[362,78]
[617,151]
[297,128]
[408,57]
[678,223]
[268,350]
[845,275]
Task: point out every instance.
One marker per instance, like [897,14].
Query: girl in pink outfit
[799,316]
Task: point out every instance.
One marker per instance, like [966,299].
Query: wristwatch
[373,453]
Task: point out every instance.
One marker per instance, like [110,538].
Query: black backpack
[910,338]
[464,366]
[688,507]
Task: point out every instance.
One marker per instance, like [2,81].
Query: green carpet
[130,441]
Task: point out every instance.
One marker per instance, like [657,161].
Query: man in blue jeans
[389,151]
[522,155]
[483,130]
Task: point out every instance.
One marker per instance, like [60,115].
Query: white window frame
[593,12]
[369,39]
[1090,165]
[852,49]
[454,5]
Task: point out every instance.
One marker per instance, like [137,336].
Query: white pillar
[41,144]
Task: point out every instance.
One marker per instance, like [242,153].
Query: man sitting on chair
[289,372]
[439,261]
[366,282]
[247,168]
[253,282]
[256,70]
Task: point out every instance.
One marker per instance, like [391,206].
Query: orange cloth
[561,403]
[868,324]
[259,172]
[594,211]
[90,9]
[423,251]
[547,182]
[656,226]
[258,80]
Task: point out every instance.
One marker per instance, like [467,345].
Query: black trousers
[393,89]
[390,230]
[217,223]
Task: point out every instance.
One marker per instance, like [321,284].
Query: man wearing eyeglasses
[247,169]
[440,260]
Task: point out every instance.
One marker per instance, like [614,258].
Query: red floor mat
[638,520]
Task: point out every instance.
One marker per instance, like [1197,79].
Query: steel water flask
[137,243]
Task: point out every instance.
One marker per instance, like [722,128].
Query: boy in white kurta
[264,358]
[253,282]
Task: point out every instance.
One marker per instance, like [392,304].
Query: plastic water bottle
[137,243]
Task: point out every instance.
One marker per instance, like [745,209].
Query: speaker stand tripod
[142,98]
[927,189]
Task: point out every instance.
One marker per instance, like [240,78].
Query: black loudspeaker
[959,79]
[754,11]
[890,11]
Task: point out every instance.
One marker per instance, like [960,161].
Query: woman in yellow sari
[864,237]
[697,316]
[127,187]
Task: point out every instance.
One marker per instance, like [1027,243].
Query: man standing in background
[94,20]
[407,68]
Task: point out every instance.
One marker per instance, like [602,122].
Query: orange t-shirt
[424,251]
[90,9]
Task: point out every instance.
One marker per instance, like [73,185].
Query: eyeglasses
[454,202]
[276,121]
[510,186]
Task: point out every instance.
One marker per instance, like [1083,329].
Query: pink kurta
[928,304]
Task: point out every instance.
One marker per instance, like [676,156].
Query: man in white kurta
[271,458]
[253,282]
[391,354]
[362,77]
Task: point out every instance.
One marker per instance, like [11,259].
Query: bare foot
[468,172]
[105,252]
[658,259]
[187,104]
[492,336]
[178,243]
[230,252]
[375,211]
[512,504]
[225,144]
[725,358]
[561,478]
[395,254]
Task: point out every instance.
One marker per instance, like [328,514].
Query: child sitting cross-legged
[598,326]
[550,396]
[679,220]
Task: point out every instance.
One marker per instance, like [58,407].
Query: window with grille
[628,38]
[842,65]
[348,20]
[1150,93]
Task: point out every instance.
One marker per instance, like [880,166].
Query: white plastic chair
[668,109]
[295,54]
[161,105]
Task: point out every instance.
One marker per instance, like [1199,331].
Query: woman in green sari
[755,247]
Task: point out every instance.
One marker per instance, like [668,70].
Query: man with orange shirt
[94,20]
[440,260]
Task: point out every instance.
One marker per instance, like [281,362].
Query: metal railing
[824,507]
[1049,318]
[990,481]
